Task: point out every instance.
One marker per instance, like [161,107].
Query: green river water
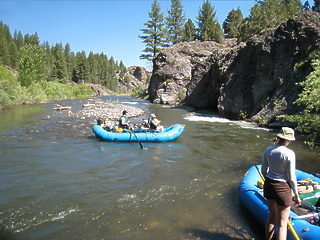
[59,182]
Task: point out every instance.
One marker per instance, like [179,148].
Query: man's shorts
[279,191]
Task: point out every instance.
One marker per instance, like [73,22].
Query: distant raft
[168,134]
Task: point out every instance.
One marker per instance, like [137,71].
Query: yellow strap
[307,180]
[293,232]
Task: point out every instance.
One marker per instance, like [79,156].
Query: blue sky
[108,26]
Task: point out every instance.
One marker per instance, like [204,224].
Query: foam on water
[206,118]
[215,118]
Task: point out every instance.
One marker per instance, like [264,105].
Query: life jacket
[121,119]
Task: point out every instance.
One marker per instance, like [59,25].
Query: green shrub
[11,92]
[309,120]
[10,89]
[139,92]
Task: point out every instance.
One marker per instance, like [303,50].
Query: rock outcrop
[99,89]
[256,79]
[135,76]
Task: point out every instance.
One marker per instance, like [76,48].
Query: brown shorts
[279,191]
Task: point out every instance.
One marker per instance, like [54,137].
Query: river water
[59,182]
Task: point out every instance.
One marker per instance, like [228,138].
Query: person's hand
[297,200]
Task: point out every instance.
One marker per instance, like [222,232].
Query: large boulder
[181,74]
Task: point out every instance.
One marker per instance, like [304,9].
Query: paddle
[304,216]
[140,144]
[293,232]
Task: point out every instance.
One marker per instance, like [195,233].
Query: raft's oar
[304,216]
[293,232]
[140,144]
[262,177]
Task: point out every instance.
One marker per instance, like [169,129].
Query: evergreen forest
[31,72]
[163,30]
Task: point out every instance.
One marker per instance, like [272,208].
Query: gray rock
[256,79]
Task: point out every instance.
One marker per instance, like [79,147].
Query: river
[59,182]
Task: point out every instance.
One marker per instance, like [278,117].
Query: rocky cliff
[256,79]
[134,77]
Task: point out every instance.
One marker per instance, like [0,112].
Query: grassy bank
[12,93]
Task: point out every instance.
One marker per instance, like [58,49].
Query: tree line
[162,31]
[37,62]
[44,72]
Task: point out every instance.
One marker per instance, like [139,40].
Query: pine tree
[208,27]
[70,59]
[4,51]
[112,81]
[18,37]
[8,49]
[49,58]
[13,55]
[306,6]
[269,14]
[5,39]
[31,39]
[316,6]
[175,22]
[59,68]
[189,31]
[32,65]
[291,7]
[232,24]
[102,68]
[81,68]
[93,67]
[154,36]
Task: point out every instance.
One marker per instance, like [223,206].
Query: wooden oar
[293,232]
[140,144]
[304,216]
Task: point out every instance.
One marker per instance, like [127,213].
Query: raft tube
[251,197]
[168,134]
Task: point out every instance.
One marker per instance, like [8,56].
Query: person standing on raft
[278,168]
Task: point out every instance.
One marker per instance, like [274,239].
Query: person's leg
[283,215]
[272,220]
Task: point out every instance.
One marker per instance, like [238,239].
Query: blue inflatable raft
[168,134]
[251,197]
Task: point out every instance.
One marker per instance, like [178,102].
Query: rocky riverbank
[110,111]
[78,120]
